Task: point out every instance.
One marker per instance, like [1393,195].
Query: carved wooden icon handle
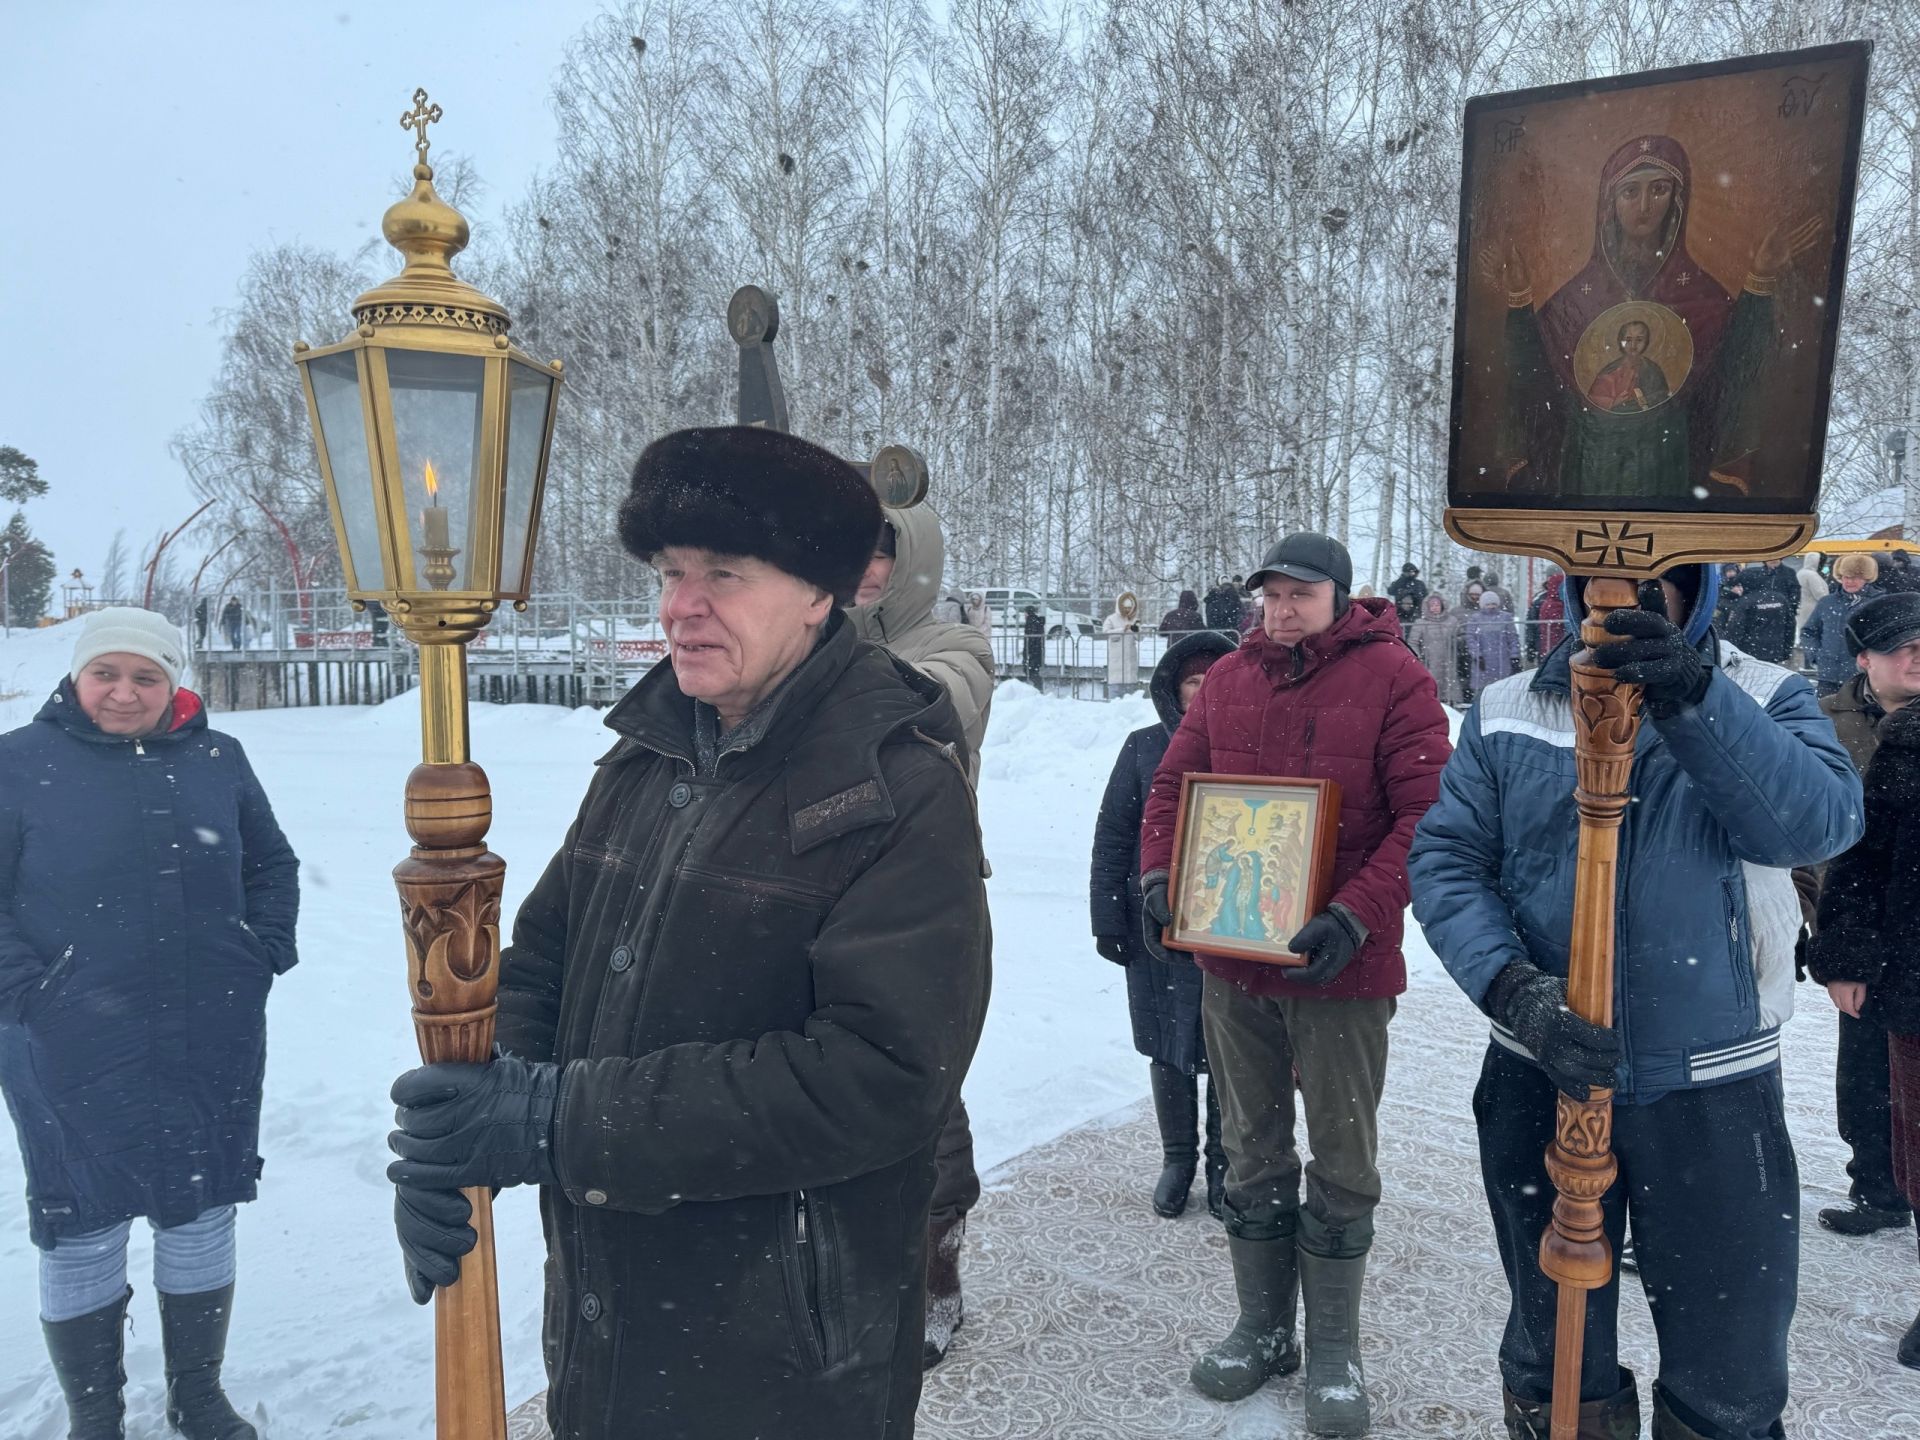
[450,911]
[1574,1250]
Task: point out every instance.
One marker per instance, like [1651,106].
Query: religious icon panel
[1252,861]
[1649,285]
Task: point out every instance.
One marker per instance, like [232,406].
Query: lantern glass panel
[436,431]
[343,433]
[528,395]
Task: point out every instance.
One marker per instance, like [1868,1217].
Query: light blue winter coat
[1726,797]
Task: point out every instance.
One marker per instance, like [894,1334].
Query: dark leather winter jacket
[766,985]
[1869,926]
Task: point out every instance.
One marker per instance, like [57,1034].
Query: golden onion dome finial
[429,233]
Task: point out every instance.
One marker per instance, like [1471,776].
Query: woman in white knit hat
[147,900]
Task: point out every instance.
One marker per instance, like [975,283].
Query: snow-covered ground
[325,1340]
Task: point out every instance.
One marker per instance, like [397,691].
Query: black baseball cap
[1306,556]
[1884,623]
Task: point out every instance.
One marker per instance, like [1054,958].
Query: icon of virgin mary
[1677,431]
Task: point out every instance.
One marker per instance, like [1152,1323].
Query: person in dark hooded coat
[1409,584]
[1183,617]
[1163,995]
[147,901]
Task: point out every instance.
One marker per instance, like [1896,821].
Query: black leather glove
[463,1124]
[1329,940]
[1155,914]
[434,1234]
[1654,654]
[1576,1054]
[1111,947]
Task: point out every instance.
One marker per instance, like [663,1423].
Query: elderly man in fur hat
[739,1004]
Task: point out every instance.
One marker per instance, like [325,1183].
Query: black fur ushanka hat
[743,490]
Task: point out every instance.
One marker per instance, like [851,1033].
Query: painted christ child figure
[1632,383]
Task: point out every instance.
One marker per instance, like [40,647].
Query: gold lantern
[433,432]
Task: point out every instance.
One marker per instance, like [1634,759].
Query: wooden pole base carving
[1574,1251]
[450,910]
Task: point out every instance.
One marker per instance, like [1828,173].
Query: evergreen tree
[30,572]
[19,477]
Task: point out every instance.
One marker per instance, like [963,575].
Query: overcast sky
[149,147]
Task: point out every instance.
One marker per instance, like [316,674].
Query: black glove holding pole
[1576,1054]
[1654,654]
[464,1124]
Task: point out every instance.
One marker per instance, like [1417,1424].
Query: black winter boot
[1176,1105]
[193,1333]
[1862,1217]
[1266,1278]
[86,1354]
[1615,1418]
[1667,1425]
[943,1288]
[1333,1267]
[1216,1157]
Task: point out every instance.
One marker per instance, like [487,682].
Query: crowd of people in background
[1791,613]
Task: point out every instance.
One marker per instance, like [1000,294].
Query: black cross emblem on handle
[1612,543]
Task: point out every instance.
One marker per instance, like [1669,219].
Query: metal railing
[566,649]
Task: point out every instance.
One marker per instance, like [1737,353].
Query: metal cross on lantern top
[417,120]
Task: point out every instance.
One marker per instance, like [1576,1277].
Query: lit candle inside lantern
[433,519]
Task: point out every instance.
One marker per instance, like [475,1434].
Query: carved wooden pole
[450,909]
[1574,1250]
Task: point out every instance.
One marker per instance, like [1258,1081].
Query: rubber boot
[87,1353]
[193,1333]
[1266,1278]
[1333,1268]
[1216,1157]
[1176,1106]
[1615,1418]
[944,1309]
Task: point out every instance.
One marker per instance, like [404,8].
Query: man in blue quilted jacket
[1737,775]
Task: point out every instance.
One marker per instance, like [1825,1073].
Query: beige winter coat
[958,656]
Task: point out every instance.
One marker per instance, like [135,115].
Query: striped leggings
[85,1273]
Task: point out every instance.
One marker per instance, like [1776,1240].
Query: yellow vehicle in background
[1858,547]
